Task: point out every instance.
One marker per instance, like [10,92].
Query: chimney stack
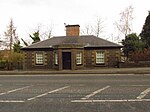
[72,30]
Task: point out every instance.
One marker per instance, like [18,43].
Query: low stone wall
[134,64]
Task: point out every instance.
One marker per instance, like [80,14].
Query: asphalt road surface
[75,93]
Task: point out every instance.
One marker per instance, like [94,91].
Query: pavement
[142,70]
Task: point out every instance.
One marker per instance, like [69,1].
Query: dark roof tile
[86,41]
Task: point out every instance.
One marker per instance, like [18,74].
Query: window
[56,58]
[79,58]
[39,59]
[100,57]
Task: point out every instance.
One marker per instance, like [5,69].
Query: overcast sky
[29,14]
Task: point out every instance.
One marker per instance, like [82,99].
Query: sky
[27,15]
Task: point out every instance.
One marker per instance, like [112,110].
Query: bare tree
[88,30]
[98,28]
[47,33]
[10,36]
[94,29]
[124,25]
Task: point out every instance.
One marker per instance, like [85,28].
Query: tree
[17,47]
[40,33]
[1,44]
[124,25]
[47,33]
[35,37]
[25,43]
[94,29]
[131,43]
[145,34]
[98,28]
[88,30]
[10,36]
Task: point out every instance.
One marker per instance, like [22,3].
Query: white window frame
[79,58]
[39,59]
[100,57]
[56,58]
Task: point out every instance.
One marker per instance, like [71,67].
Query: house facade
[71,52]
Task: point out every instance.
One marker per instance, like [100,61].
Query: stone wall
[29,61]
[112,57]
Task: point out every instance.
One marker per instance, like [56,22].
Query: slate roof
[85,40]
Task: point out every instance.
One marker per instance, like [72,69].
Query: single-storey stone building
[71,52]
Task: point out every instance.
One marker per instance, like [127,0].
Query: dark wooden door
[66,59]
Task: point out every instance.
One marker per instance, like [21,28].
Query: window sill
[39,64]
[79,64]
[100,64]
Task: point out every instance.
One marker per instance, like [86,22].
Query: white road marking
[135,85]
[56,90]
[14,90]
[144,93]
[94,93]
[11,101]
[107,101]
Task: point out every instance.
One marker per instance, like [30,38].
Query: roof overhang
[42,48]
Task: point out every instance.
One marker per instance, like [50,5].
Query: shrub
[3,64]
[140,55]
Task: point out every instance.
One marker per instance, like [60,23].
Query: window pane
[100,57]
[39,58]
[79,58]
[56,58]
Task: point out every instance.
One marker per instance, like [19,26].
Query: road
[75,93]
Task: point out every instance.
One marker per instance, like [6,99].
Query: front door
[66,59]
